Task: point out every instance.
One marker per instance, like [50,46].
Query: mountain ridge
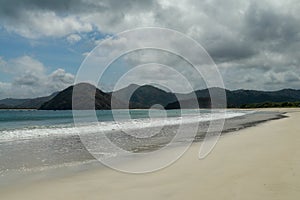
[144,97]
[26,103]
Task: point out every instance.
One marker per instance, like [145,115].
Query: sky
[255,44]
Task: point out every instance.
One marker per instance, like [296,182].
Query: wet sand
[259,162]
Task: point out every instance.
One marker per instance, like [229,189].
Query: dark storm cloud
[271,30]
[29,17]
[263,24]
[11,8]
[231,50]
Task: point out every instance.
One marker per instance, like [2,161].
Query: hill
[86,94]
[34,103]
[272,105]
[241,98]
[189,104]
[238,98]
[144,97]
[139,97]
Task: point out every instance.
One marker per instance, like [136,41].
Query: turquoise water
[37,139]
[30,124]
[14,119]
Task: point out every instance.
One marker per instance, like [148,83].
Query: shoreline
[86,161]
[72,143]
[177,172]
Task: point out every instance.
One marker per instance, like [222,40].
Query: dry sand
[261,162]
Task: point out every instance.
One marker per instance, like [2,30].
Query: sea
[17,125]
[35,140]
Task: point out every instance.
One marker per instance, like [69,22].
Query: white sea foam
[103,127]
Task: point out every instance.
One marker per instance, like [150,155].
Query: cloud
[41,23]
[253,42]
[73,38]
[58,18]
[165,77]
[111,50]
[30,78]
[23,65]
[265,24]
[59,79]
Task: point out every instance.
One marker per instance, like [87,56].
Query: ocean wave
[34,132]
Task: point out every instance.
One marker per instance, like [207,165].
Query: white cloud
[150,73]
[24,65]
[73,38]
[253,42]
[30,78]
[35,24]
[159,75]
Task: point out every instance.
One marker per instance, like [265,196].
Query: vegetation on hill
[272,105]
[33,103]
[144,97]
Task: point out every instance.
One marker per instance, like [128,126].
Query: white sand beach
[260,162]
